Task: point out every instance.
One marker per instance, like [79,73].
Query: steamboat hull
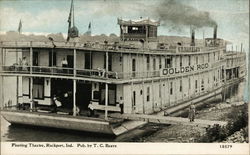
[57,121]
[96,125]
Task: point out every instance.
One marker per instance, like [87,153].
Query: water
[41,134]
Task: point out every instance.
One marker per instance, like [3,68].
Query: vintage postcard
[124,77]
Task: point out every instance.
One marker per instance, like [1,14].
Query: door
[35,58]
[70,60]
[133,67]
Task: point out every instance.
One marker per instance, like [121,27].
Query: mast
[69,20]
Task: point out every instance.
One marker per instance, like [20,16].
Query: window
[208,58]
[180,85]
[196,59]
[148,92]
[134,98]
[189,83]
[189,60]
[168,62]
[38,88]
[171,88]
[148,61]
[160,90]
[180,61]
[160,63]
[154,64]
[133,65]
[35,58]
[202,84]
[196,85]
[52,58]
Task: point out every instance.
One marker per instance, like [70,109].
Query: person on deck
[64,63]
[121,105]
[24,64]
[57,103]
[91,110]
[191,114]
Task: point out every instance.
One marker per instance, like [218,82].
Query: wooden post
[106,101]
[74,62]
[74,97]
[52,57]
[31,57]
[17,89]
[143,96]
[106,89]
[2,100]
[74,85]
[31,93]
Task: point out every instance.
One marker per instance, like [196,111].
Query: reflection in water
[42,134]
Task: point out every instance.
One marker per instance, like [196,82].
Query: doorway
[70,59]
[83,94]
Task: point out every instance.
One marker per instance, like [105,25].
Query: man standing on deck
[64,64]
[191,114]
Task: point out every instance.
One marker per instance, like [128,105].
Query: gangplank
[169,120]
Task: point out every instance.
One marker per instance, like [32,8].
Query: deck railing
[86,73]
[102,46]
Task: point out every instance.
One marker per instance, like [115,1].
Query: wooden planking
[169,120]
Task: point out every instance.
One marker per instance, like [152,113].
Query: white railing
[88,73]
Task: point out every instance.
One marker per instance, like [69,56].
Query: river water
[40,134]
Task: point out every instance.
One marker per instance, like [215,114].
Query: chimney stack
[192,37]
[215,32]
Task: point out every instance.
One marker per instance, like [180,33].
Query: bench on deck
[96,106]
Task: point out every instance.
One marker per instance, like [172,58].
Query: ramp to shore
[169,120]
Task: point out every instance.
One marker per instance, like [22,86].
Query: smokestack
[215,32]
[192,37]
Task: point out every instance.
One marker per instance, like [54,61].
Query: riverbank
[186,134]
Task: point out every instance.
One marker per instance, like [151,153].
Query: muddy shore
[187,134]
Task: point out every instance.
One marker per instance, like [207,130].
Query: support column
[52,57]
[1,78]
[74,97]
[106,101]
[31,57]
[143,95]
[17,89]
[106,89]
[31,93]
[2,95]
[74,85]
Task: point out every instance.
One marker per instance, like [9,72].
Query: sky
[50,16]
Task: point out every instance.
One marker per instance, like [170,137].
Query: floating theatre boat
[137,75]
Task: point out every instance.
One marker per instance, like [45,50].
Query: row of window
[202,86]
[169,61]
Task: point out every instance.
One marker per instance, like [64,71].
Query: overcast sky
[50,16]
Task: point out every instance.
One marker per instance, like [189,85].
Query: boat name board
[167,71]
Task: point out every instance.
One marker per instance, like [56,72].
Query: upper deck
[112,48]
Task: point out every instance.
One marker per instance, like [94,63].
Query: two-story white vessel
[137,75]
